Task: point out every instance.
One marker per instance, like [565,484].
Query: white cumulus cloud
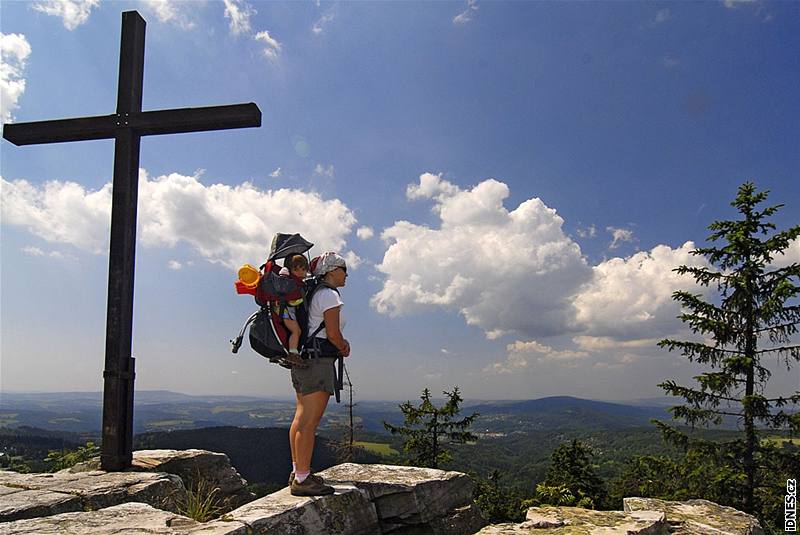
[619,235]
[59,212]
[271,46]
[172,12]
[365,233]
[466,15]
[321,170]
[239,13]
[631,298]
[174,265]
[14,52]
[502,270]
[32,251]
[587,232]
[228,225]
[323,21]
[606,343]
[521,353]
[515,272]
[36,251]
[732,4]
[73,13]
[790,255]
[276,173]
[662,15]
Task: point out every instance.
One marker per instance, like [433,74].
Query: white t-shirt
[324,299]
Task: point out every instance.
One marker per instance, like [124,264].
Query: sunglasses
[343,269]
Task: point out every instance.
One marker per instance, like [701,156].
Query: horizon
[289,399]
[512,184]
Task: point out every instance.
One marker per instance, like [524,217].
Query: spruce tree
[426,427]
[571,468]
[754,317]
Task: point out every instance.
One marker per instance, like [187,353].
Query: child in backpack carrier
[297,266]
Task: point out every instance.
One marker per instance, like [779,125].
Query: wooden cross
[126,127]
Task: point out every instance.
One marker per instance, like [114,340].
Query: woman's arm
[333,332]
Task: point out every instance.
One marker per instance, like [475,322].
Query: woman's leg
[293,430]
[310,409]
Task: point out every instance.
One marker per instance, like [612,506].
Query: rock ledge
[369,499]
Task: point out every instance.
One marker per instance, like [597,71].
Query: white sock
[294,466]
[301,476]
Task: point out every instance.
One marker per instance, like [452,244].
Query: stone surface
[369,499]
[575,520]
[698,517]
[541,518]
[190,465]
[35,495]
[347,512]
[462,520]
[19,504]
[128,519]
[406,496]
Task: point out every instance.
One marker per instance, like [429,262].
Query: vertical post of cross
[126,127]
[119,371]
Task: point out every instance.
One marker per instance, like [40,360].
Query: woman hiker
[315,384]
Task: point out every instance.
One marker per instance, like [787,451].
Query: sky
[512,184]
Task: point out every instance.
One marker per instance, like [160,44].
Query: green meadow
[378,448]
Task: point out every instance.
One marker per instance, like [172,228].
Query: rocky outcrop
[414,500]
[36,495]
[641,516]
[369,499]
[347,512]
[698,517]
[575,520]
[191,466]
[128,519]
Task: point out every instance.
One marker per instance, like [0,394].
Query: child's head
[298,265]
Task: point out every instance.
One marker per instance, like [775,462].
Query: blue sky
[512,181]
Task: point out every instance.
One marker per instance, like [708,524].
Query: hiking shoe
[312,486]
[315,476]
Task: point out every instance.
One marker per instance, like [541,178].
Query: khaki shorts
[318,377]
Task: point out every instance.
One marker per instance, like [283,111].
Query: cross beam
[146,123]
[126,127]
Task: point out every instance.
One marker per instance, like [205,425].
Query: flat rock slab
[406,495]
[35,495]
[19,504]
[699,517]
[467,519]
[191,465]
[575,520]
[127,519]
[347,512]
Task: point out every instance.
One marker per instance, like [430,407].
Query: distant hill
[171,411]
[566,412]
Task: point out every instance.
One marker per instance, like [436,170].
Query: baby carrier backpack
[274,292]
